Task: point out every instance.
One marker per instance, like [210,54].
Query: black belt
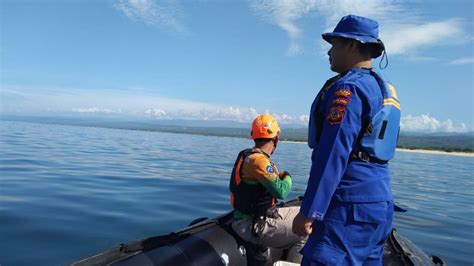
[365,157]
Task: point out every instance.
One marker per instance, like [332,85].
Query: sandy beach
[463,154]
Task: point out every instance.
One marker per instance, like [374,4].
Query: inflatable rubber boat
[213,242]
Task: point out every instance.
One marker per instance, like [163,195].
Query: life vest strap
[365,157]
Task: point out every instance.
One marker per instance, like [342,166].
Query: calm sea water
[68,192]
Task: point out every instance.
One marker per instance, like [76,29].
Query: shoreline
[174,131]
[439,152]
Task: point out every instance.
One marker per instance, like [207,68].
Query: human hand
[302,225]
[283,174]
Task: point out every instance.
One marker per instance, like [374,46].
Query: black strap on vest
[252,199]
[365,157]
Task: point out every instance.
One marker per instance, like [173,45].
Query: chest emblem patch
[336,114]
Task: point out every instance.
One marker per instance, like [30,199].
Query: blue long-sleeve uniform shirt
[354,97]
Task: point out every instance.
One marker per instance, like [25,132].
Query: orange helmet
[264,127]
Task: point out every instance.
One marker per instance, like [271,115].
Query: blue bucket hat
[359,28]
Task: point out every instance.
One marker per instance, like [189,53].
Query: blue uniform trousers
[350,234]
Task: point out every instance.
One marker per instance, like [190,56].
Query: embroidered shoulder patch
[336,114]
[340,101]
[343,93]
[270,169]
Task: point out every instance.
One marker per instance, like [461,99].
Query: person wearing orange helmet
[255,186]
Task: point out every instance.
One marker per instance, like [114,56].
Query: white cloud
[284,13]
[95,110]
[156,112]
[408,38]
[404,30]
[333,10]
[150,12]
[404,33]
[289,119]
[47,101]
[27,101]
[462,61]
[427,123]
[202,111]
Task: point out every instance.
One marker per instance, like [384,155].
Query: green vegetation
[447,143]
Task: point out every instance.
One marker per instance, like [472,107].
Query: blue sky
[226,59]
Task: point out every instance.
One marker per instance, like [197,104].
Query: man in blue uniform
[347,208]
